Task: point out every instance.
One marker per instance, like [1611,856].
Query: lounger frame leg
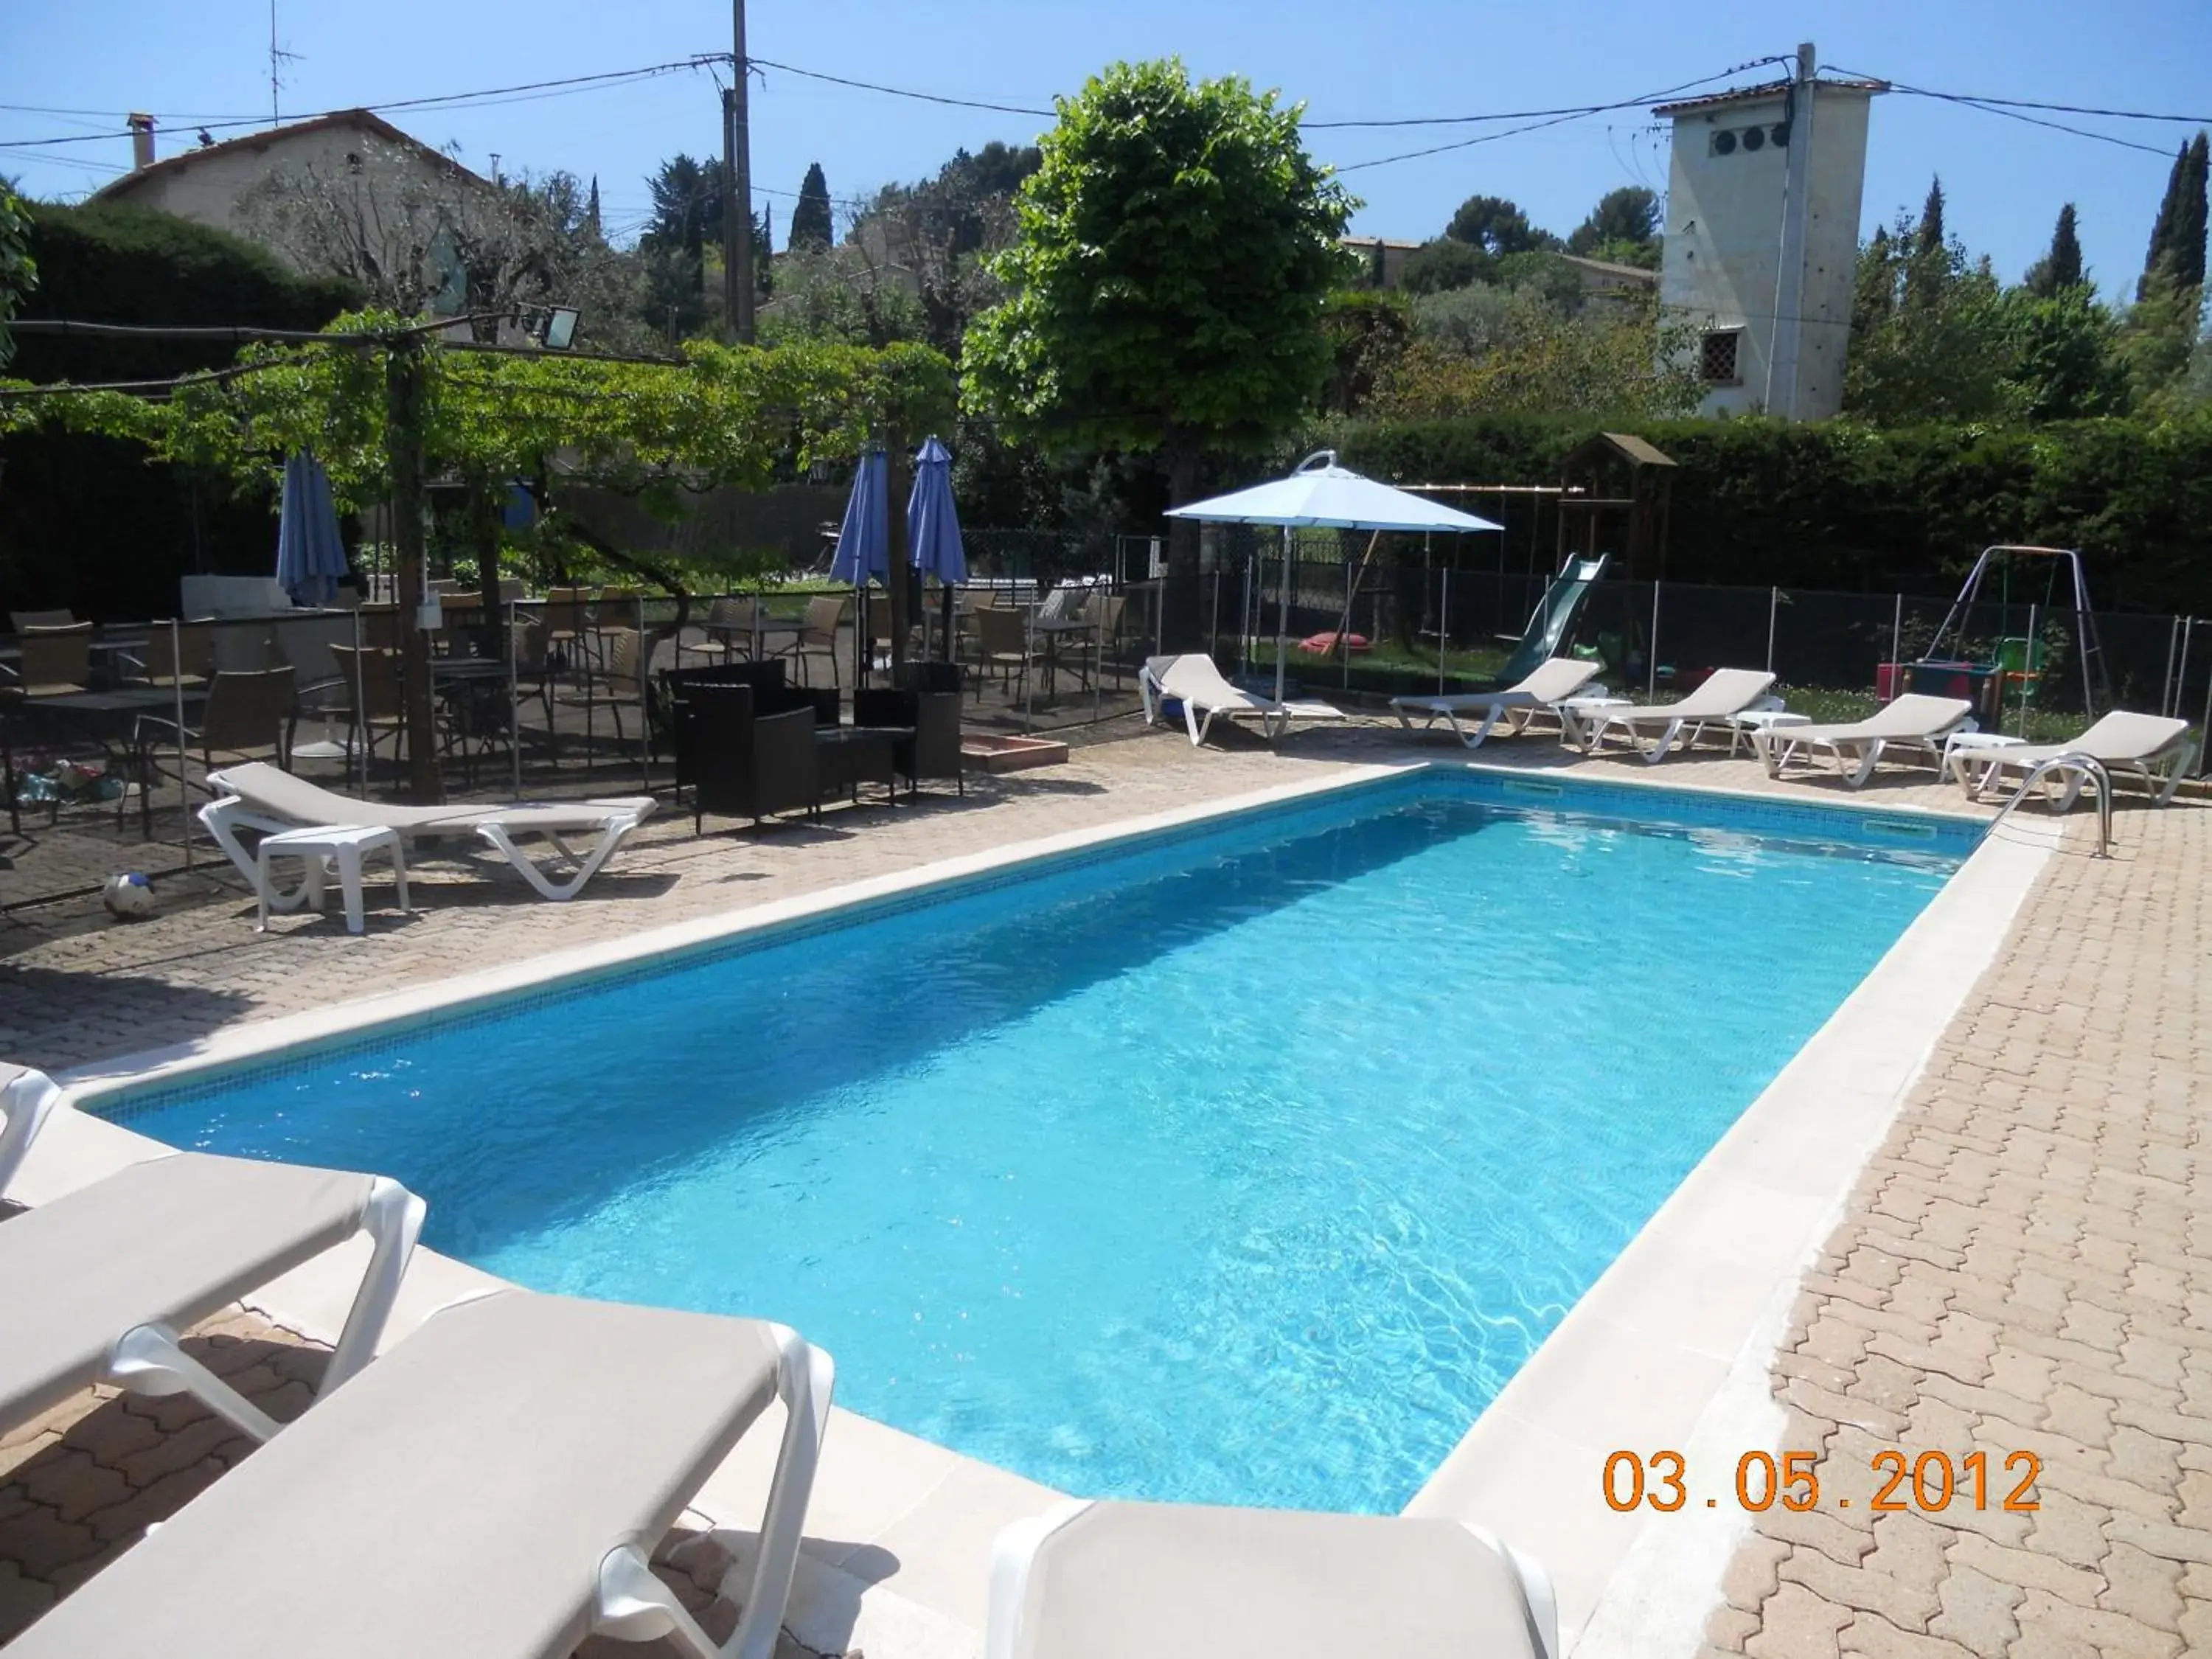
[28,1100]
[806,1377]
[1013,1553]
[148,1359]
[635,1606]
[1489,719]
[392,1219]
[1543,1603]
[612,837]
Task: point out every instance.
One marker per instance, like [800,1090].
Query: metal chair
[246,715]
[56,660]
[826,616]
[1002,642]
[374,702]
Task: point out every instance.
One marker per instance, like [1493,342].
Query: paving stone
[2027,1569]
[1876,1638]
[1796,1624]
[1977,1612]
[2145,1587]
[1906,1605]
[2111,1635]
[2072,1531]
[1751,1577]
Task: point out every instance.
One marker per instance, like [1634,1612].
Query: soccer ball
[130,897]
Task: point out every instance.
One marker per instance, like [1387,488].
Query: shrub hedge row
[1838,505]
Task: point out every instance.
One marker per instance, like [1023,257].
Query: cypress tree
[2187,251]
[2162,227]
[811,223]
[2061,268]
[1930,239]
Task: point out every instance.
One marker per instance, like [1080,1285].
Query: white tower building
[1762,239]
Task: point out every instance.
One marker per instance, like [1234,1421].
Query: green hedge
[1838,506]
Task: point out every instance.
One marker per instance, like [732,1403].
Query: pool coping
[1625,1579]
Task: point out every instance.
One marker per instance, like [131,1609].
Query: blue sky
[1384,58]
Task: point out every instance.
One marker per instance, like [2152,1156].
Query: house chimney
[141,140]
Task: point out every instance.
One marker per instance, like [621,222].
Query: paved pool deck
[2022,1264]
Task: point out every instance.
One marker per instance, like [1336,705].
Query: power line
[2014,108]
[903,92]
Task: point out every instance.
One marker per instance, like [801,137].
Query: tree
[1369,329]
[2061,268]
[2177,235]
[812,225]
[1494,225]
[936,237]
[1623,219]
[432,240]
[1443,264]
[687,206]
[1932,334]
[1175,252]
[2063,354]
[19,273]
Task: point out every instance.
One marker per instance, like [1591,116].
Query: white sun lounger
[1913,722]
[2151,747]
[258,796]
[1552,683]
[492,1488]
[99,1282]
[1197,684]
[26,1098]
[1724,692]
[1172,1581]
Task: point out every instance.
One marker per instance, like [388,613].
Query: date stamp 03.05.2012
[1930,1482]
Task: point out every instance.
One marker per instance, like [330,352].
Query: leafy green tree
[1369,329]
[1626,218]
[1489,350]
[1932,333]
[812,225]
[1165,288]
[1928,266]
[2061,268]
[1443,264]
[936,237]
[687,206]
[1494,225]
[18,272]
[2063,354]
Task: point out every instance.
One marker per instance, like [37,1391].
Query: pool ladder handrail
[2093,770]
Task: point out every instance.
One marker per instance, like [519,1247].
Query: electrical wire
[2014,109]
[898,92]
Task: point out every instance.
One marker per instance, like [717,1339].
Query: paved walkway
[2025,1266]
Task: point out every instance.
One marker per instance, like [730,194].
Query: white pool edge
[933,1511]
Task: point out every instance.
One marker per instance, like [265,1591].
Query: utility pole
[736,190]
[403,439]
[1784,350]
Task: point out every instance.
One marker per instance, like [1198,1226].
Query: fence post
[1444,623]
[1213,627]
[2181,677]
[1896,643]
[184,790]
[514,613]
[1773,610]
[2167,693]
[1343,649]
[1651,650]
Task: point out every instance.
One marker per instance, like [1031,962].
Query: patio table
[102,713]
[846,756]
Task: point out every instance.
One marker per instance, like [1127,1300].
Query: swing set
[2014,671]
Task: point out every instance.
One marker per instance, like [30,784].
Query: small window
[1723,143]
[1754,138]
[1719,358]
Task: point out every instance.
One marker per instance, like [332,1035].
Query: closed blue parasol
[310,556]
[932,528]
[864,540]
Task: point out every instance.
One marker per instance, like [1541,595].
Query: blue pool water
[1243,1168]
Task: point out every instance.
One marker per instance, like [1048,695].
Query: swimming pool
[1244,1165]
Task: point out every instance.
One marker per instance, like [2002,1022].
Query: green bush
[1839,506]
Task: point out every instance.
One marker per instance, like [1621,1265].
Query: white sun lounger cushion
[167,1242]
[458,1497]
[1172,1581]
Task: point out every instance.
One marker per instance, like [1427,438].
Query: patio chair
[728,630]
[1914,722]
[372,698]
[1552,683]
[261,798]
[2151,747]
[826,615]
[749,753]
[1002,642]
[493,1486]
[23,621]
[57,659]
[182,658]
[617,683]
[245,714]
[1724,692]
[101,1281]
[933,752]
[1197,684]
[1103,1580]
